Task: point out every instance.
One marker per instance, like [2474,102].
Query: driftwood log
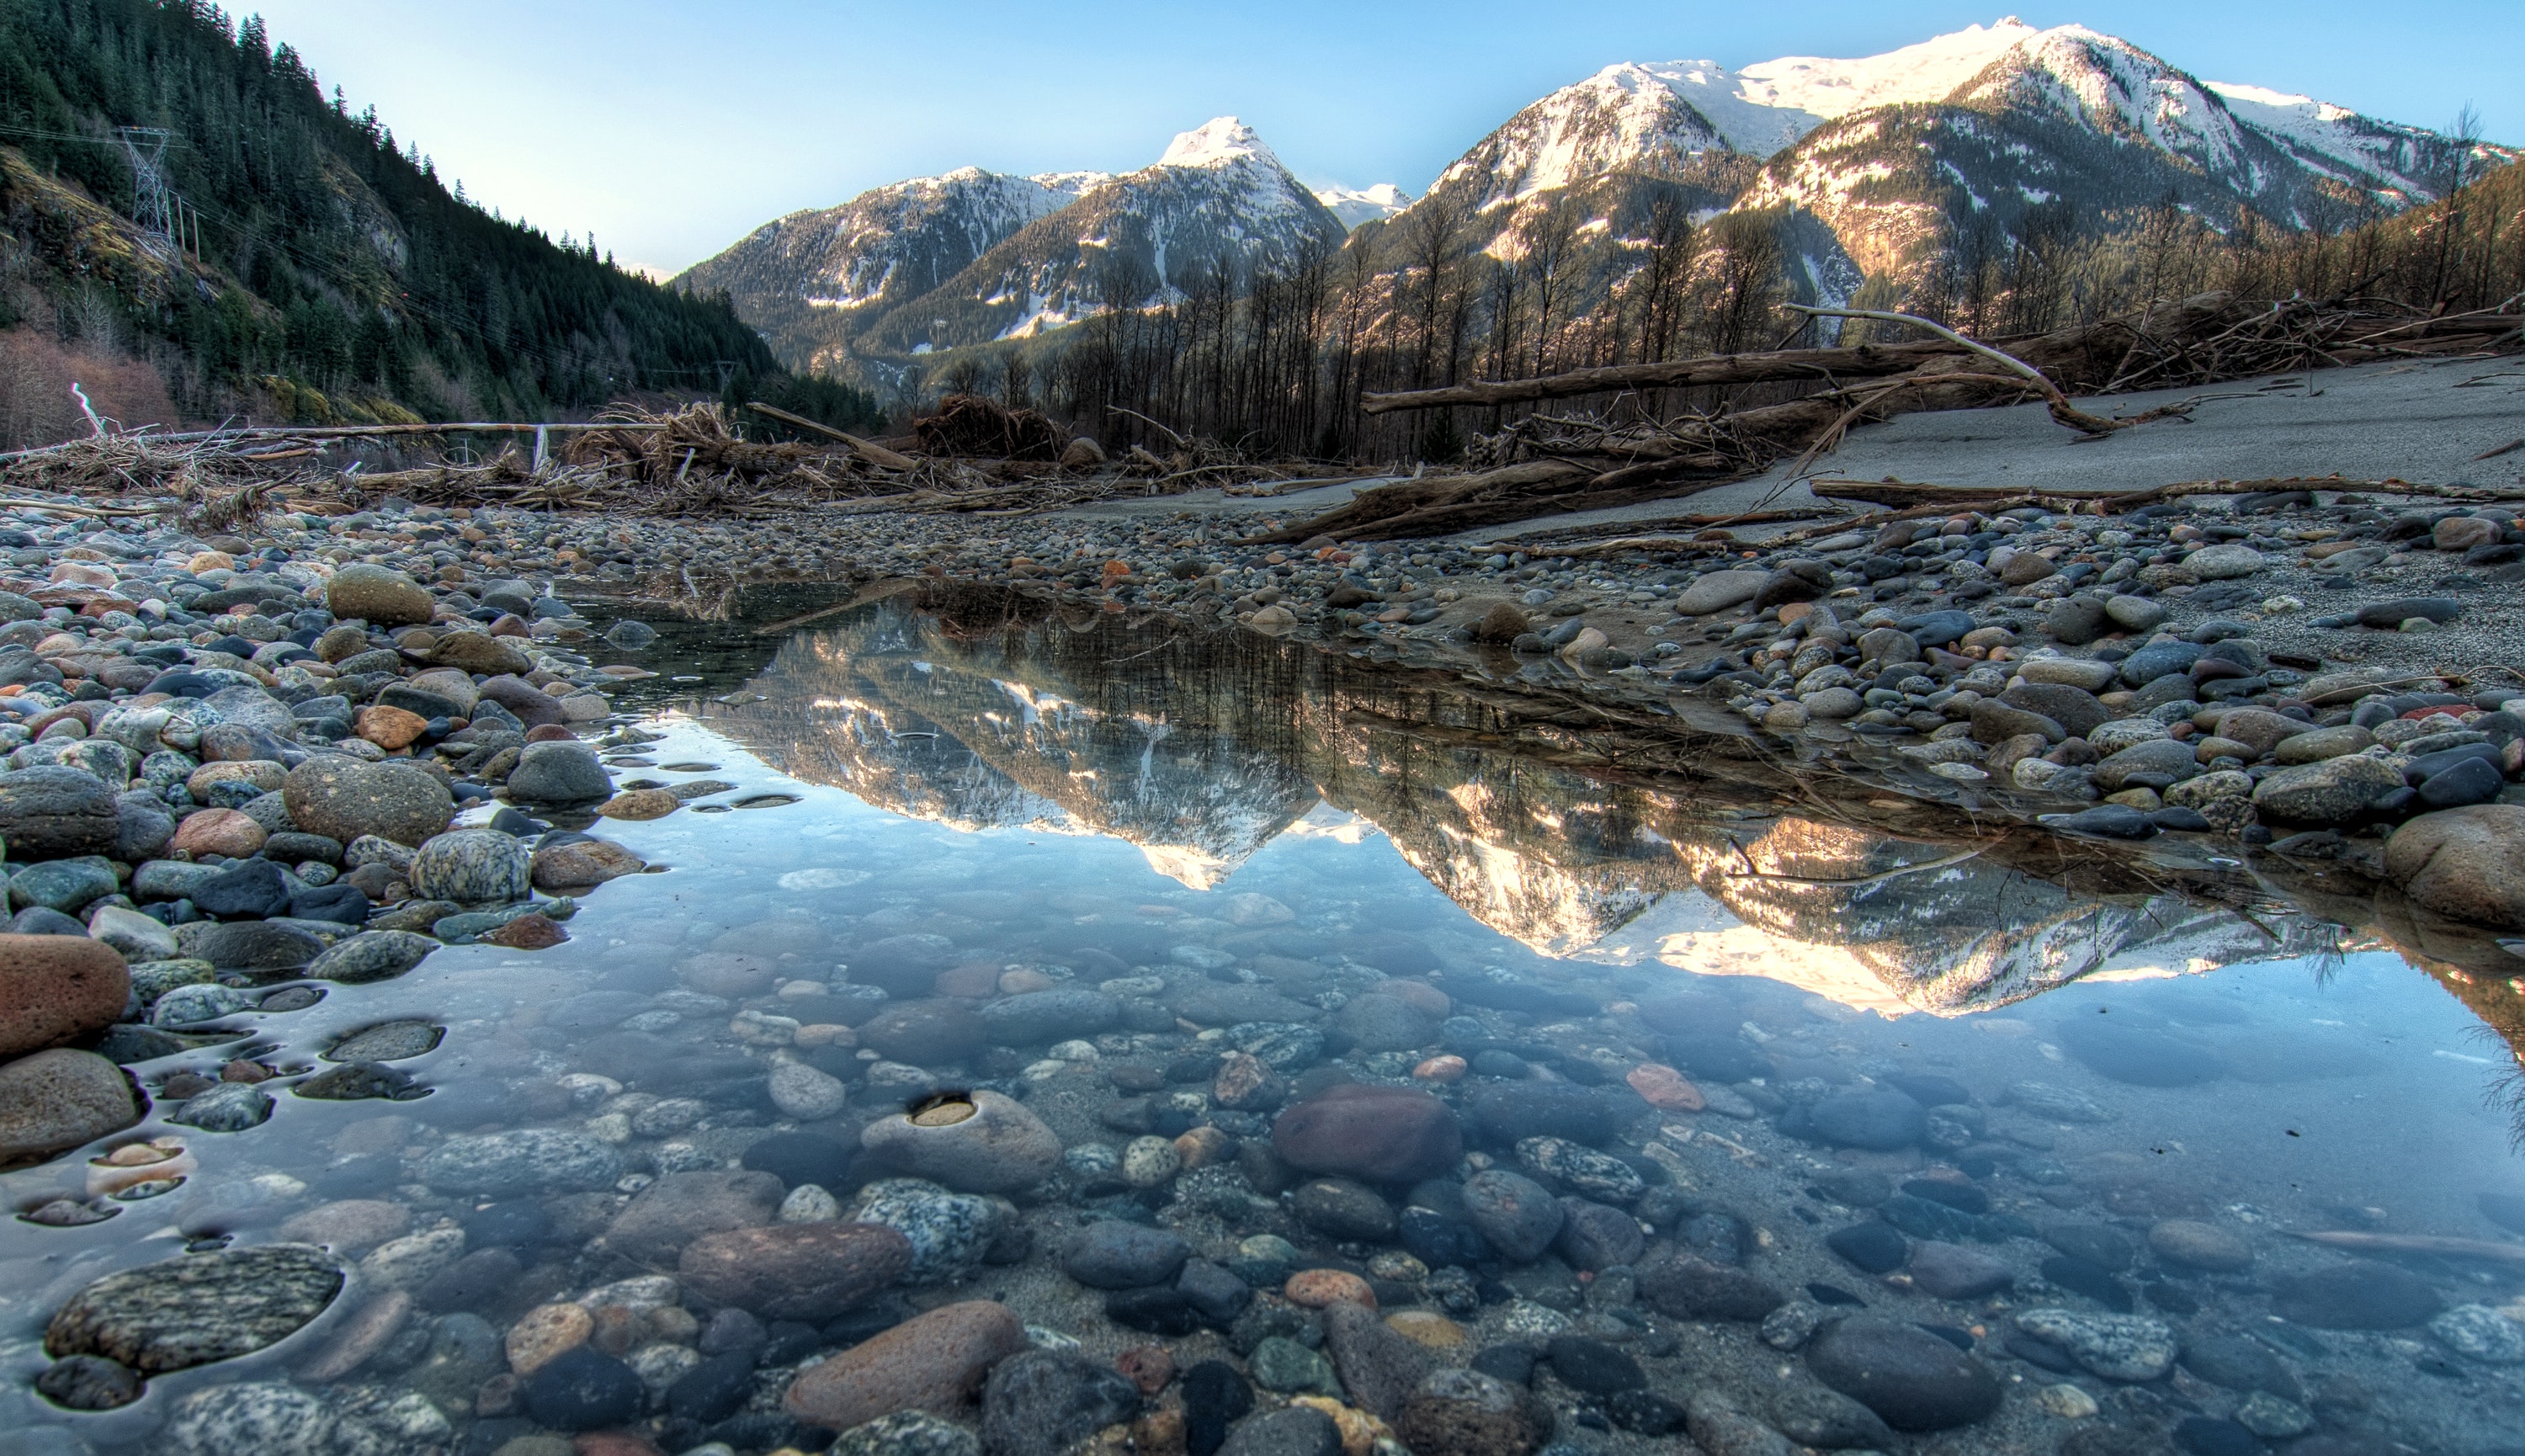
[1568,470]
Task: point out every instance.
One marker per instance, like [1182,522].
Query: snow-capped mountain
[886,245]
[1357,205]
[1217,196]
[1878,162]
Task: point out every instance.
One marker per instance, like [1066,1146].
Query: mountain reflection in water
[1200,749]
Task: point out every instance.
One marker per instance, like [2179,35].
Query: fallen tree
[1544,465]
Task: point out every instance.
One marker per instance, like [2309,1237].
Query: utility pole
[154,203]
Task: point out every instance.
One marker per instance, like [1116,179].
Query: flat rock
[1717,591]
[680,1207]
[1910,1377]
[529,1160]
[371,955]
[1391,1135]
[1002,1147]
[2329,792]
[57,1099]
[809,1272]
[196,1309]
[1952,1271]
[2118,1347]
[2362,1295]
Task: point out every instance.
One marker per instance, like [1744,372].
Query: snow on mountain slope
[1625,118]
[1828,88]
[2410,162]
[1218,195]
[1357,205]
[2113,88]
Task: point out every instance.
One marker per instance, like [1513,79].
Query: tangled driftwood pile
[1545,466]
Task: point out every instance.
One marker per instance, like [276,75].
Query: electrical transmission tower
[155,204]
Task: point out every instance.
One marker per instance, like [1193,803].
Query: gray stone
[197,1001]
[264,1418]
[379,595]
[473,867]
[1719,1429]
[66,886]
[1879,1121]
[2117,1347]
[1910,1377]
[1293,1430]
[529,1160]
[1518,1215]
[1043,1403]
[2156,764]
[139,938]
[2329,792]
[1720,590]
[54,811]
[1952,1271]
[343,798]
[2225,561]
[1036,1018]
[558,773]
[2476,1331]
[1003,1147]
[2074,708]
[950,1232]
[252,945]
[680,1207]
[229,1107]
[1812,1415]
[198,1307]
[805,1094]
[371,955]
[1997,721]
[1111,1254]
[1378,1365]
[1378,1023]
[389,1041]
[55,1100]
[907,1434]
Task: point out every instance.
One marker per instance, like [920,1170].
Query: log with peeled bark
[1822,365]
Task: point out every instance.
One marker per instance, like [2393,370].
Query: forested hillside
[317,268]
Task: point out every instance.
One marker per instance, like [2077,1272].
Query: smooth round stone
[1876,1120]
[1872,1247]
[196,1309]
[1112,1254]
[1951,1272]
[1149,1161]
[584,1388]
[2477,1331]
[2118,1347]
[2327,792]
[529,1160]
[472,867]
[948,1233]
[55,812]
[371,955]
[1518,1215]
[57,988]
[680,1207]
[1693,1289]
[933,1361]
[2191,1244]
[1039,1016]
[1377,1023]
[342,798]
[1911,1378]
[805,1094]
[1593,1365]
[378,596]
[2463,862]
[1388,1134]
[1345,1209]
[229,1107]
[558,773]
[924,1033]
[810,1272]
[1000,1147]
[2364,1295]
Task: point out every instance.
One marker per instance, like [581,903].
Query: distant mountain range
[1883,158]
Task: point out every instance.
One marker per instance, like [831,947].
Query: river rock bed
[963,1150]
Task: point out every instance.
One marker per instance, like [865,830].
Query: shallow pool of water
[2022,1151]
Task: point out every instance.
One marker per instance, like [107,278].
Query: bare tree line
[1272,360]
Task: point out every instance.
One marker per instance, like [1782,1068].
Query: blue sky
[671,129]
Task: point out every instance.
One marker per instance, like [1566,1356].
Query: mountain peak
[1215,142]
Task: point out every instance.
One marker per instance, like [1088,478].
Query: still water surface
[2076,1121]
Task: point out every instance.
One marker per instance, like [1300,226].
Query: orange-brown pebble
[972,983]
[609,1444]
[1203,1146]
[1319,1289]
[389,729]
[1420,995]
[1023,980]
[1147,1367]
[1159,1433]
[1662,1086]
[1440,1068]
[546,1331]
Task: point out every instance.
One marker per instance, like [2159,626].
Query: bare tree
[1548,239]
